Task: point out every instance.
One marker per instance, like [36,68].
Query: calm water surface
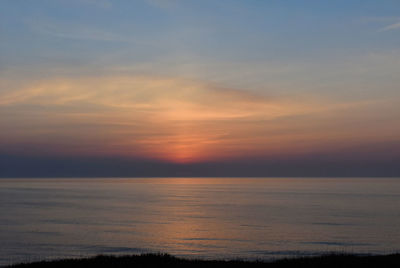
[260,218]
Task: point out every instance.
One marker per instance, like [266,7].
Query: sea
[207,218]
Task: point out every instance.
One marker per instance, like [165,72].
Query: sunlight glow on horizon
[172,119]
[200,81]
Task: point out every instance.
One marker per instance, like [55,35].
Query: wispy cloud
[161,117]
[71,31]
[390,27]
[172,119]
[392,23]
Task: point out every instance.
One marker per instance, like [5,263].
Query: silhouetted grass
[165,260]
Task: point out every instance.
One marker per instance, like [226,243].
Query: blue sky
[199,39]
[76,30]
[195,81]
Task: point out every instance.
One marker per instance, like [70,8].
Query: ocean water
[210,218]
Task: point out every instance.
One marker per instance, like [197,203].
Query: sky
[199,88]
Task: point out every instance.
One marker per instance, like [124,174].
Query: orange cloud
[168,118]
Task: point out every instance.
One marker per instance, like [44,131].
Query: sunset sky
[199,88]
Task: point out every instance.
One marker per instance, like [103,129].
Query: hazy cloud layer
[181,120]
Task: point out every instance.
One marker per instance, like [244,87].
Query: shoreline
[166,260]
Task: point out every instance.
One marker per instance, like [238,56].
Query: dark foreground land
[164,260]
